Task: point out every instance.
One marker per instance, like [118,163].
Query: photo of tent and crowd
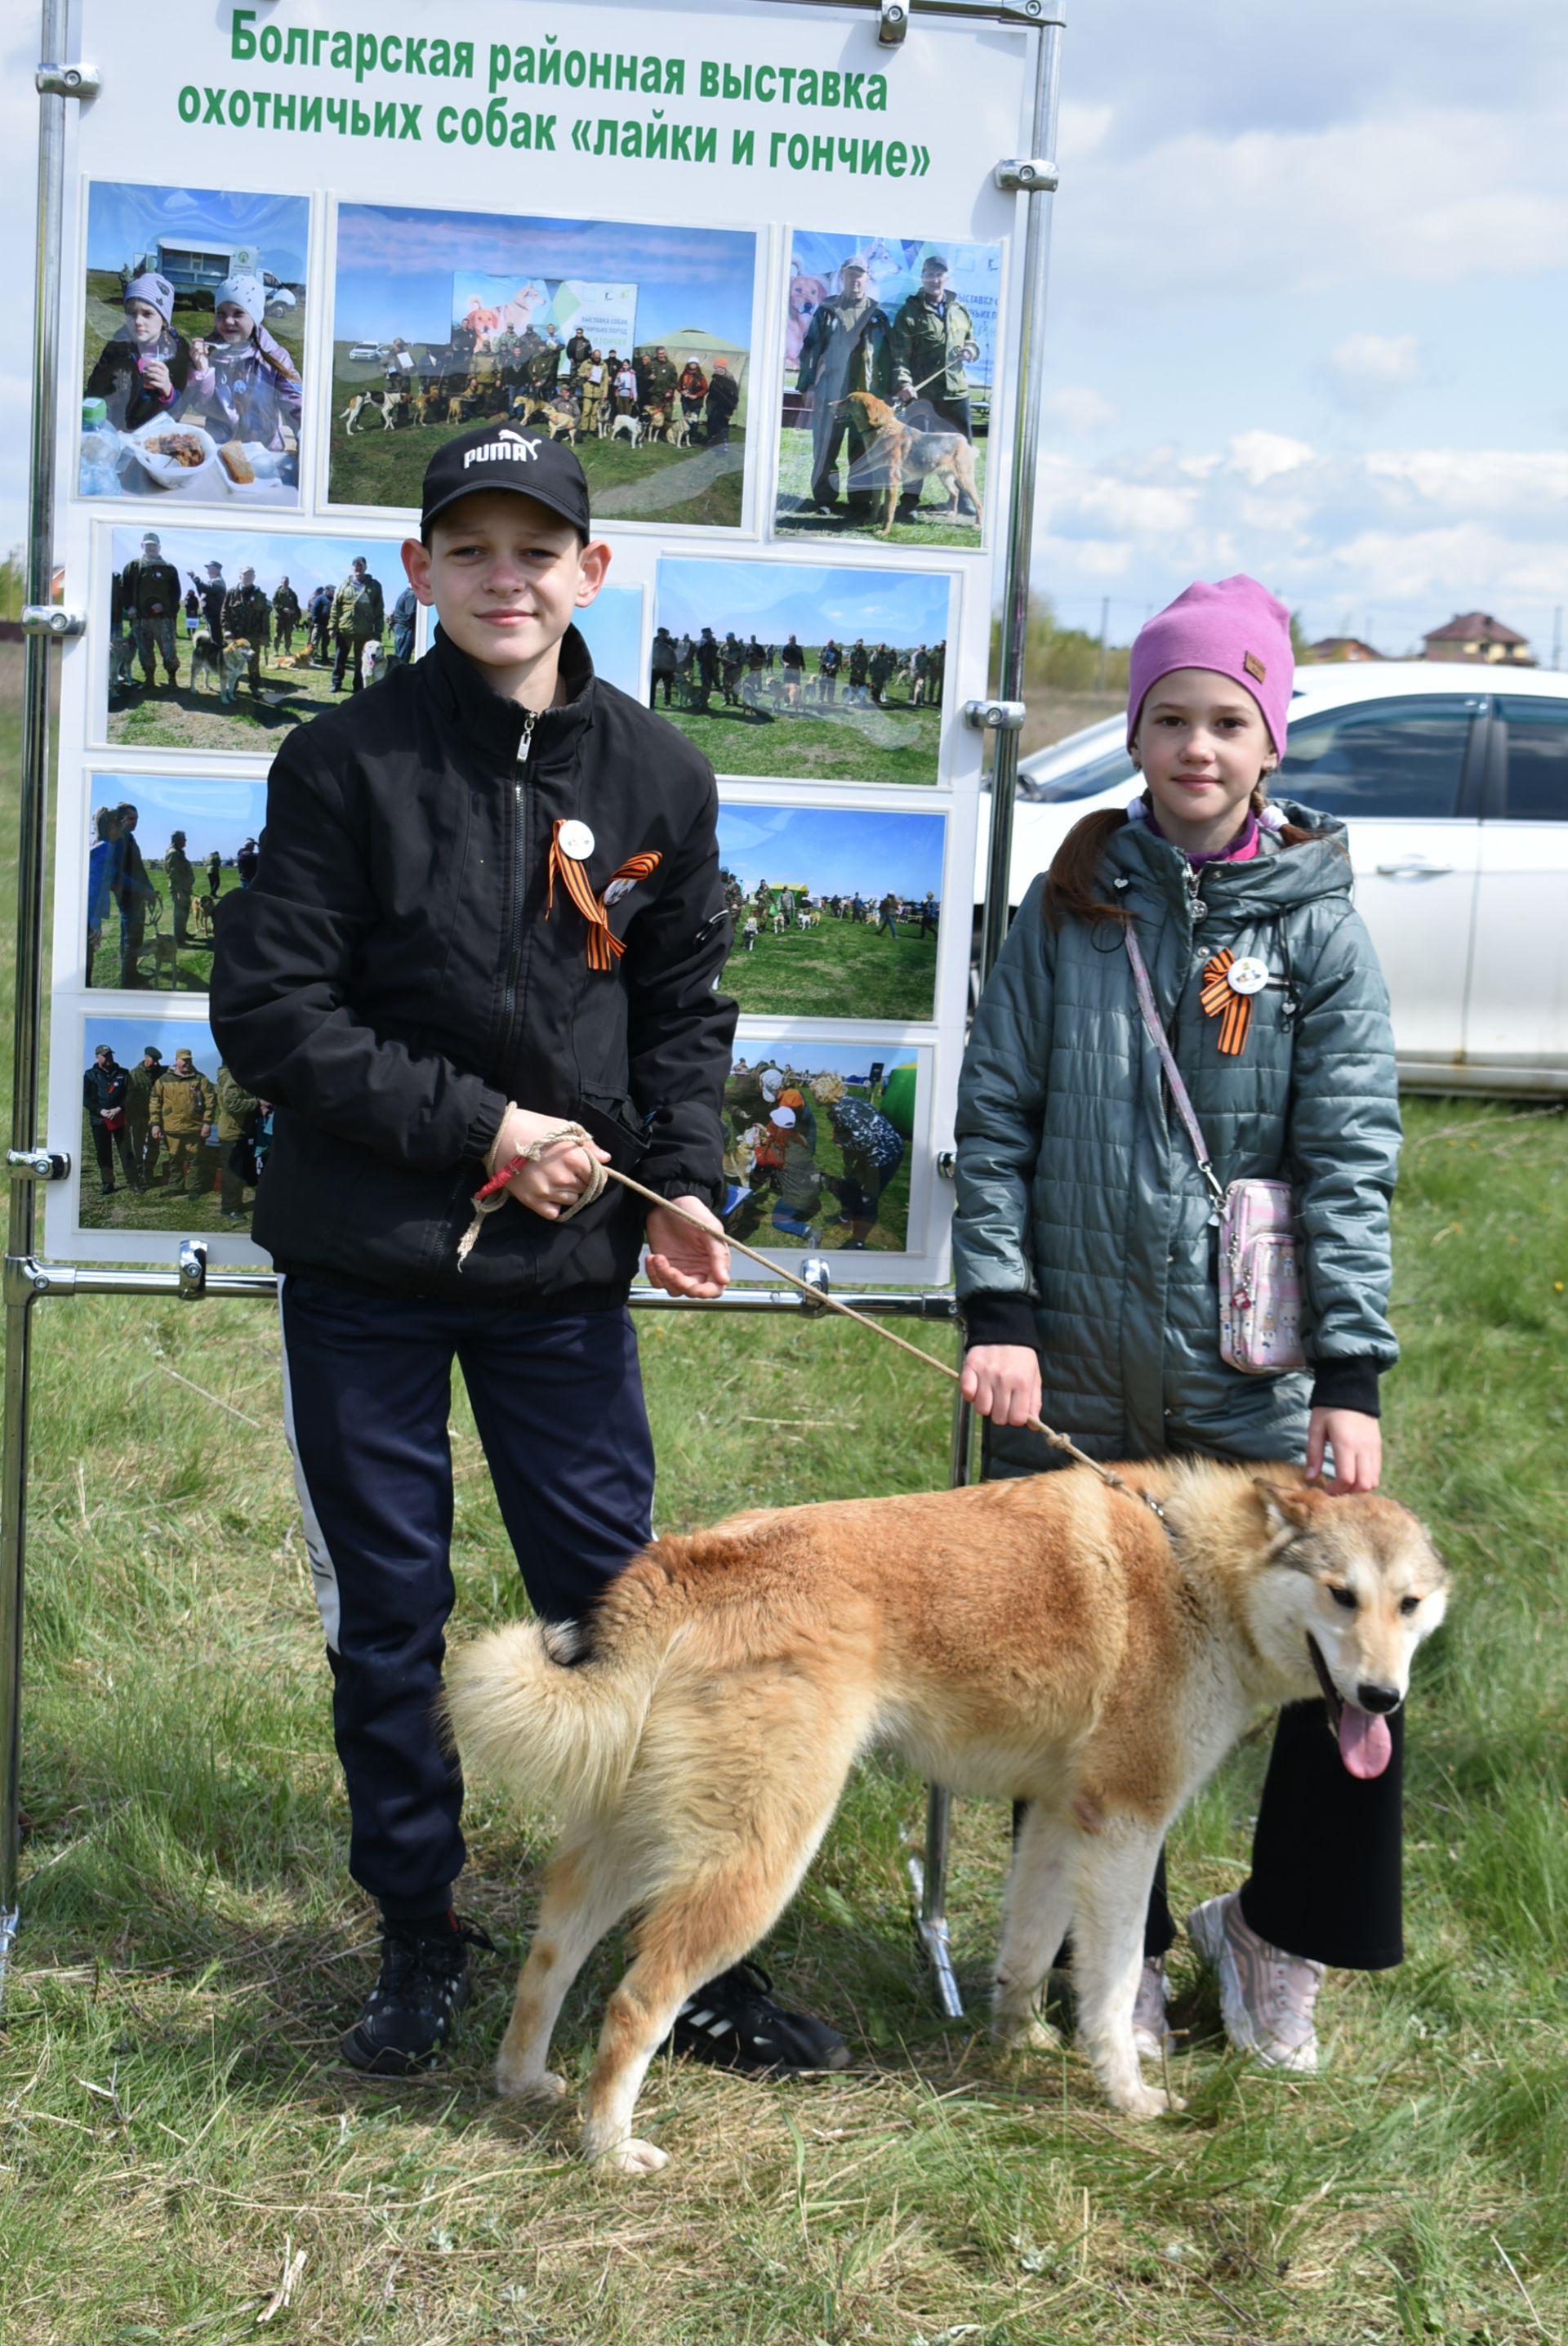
[631,343]
[161,852]
[222,640]
[789,669]
[817,1146]
[193,346]
[836,910]
[170,1140]
[889,376]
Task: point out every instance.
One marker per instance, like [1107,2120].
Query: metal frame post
[19,1291]
[1034,177]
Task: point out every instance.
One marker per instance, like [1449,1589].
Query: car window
[1381,758]
[1537,759]
[1100,773]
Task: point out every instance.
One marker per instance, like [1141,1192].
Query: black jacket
[391,980]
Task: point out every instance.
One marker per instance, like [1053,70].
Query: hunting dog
[1048,1639]
[901,452]
[629,428]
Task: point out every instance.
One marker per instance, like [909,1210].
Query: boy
[423,990]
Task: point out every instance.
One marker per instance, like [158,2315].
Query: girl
[1086,1256]
[248,385]
[142,370]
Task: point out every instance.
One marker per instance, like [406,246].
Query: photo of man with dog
[162,851]
[194,338]
[190,1139]
[889,375]
[836,910]
[785,669]
[817,1146]
[629,344]
[203,654]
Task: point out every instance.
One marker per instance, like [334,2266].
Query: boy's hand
[682,1261]
[554,1179]
[1003,1382]
[1357,1442]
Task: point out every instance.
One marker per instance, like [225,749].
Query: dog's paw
[1025,2032]
[529,2085]
[1146,2102]
[631,2158]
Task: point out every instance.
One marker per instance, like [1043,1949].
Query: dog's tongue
[1366,1747]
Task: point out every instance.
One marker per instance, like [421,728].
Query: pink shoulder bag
[1259,1243]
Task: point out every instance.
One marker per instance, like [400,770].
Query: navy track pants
[367,1384]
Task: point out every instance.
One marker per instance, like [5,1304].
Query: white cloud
[1078,409]
[1260,456]
[1366,371]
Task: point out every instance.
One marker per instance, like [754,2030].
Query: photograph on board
[817,1146]
[632,343]
[223,639]
[889,375]
[194,344]
[836,910]
[169,1141]
[797,670]
[161,850]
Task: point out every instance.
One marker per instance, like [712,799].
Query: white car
[1453,783]
[371,350]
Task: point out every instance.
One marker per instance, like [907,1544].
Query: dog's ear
[1286,1508]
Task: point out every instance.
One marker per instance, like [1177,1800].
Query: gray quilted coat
[1083,1224]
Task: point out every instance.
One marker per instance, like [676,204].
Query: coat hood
[1276,880]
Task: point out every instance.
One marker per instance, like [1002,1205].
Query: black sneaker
[422,1987]
[733,2022]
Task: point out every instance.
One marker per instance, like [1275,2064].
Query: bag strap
[1184,1106]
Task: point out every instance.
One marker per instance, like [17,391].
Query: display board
[756,265]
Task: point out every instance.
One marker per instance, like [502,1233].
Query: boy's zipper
[519,880]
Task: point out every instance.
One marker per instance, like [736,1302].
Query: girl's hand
[156,377]
[554,1179]
[1357,1442]
[682,1261]
[1003,1382]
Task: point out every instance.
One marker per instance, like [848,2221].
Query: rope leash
[493,1195]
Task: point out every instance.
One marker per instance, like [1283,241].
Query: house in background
[1342,648]
[1477,635]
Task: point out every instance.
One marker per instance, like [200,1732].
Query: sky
[129,1034]
[807,599]
[612,627]
[212,812]
[1306,311]
[832,850]
[306,561]
[847,1059]
[395,269]
[125,220]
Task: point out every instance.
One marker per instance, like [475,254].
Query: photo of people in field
[793,669]
[836,910]
[222,639]
[889,375]
[817,1146]
[193,383]
[169,1141]
[161,850]
[631,343]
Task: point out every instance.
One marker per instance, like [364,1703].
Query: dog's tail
[527,1708]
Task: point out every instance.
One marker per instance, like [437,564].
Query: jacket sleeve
[1001,1108]
[680,1030]
[1344,1145]
[281,1005]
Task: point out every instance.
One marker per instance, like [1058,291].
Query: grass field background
[175,2136]
[814,742]
[193,961]
[796,517]
[186,717]
[839,969]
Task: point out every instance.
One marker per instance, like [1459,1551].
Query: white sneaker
[1265,1996]
[1151,2013]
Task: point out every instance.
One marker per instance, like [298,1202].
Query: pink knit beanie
[1236,628]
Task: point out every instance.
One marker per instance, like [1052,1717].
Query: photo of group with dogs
[888,379]
[629,343]
[835,910]
[161,850]
[818,1144]
[222,640]
[193,346]
[792,669]
[169,1140]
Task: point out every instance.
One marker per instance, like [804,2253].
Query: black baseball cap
[498,456]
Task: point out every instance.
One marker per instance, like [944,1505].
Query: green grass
[841,969]
[188,716]
[174,2131]
[191,966]
[794,516]
[818,742]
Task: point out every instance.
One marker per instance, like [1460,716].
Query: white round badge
[1248,975]
[575,840]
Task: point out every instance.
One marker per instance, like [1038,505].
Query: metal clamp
[892,23]
[817,1273]
[995,716]
[53,619]
[946,1164]
[1027,175]
[37,1165]
[66,81]
[192,1270]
